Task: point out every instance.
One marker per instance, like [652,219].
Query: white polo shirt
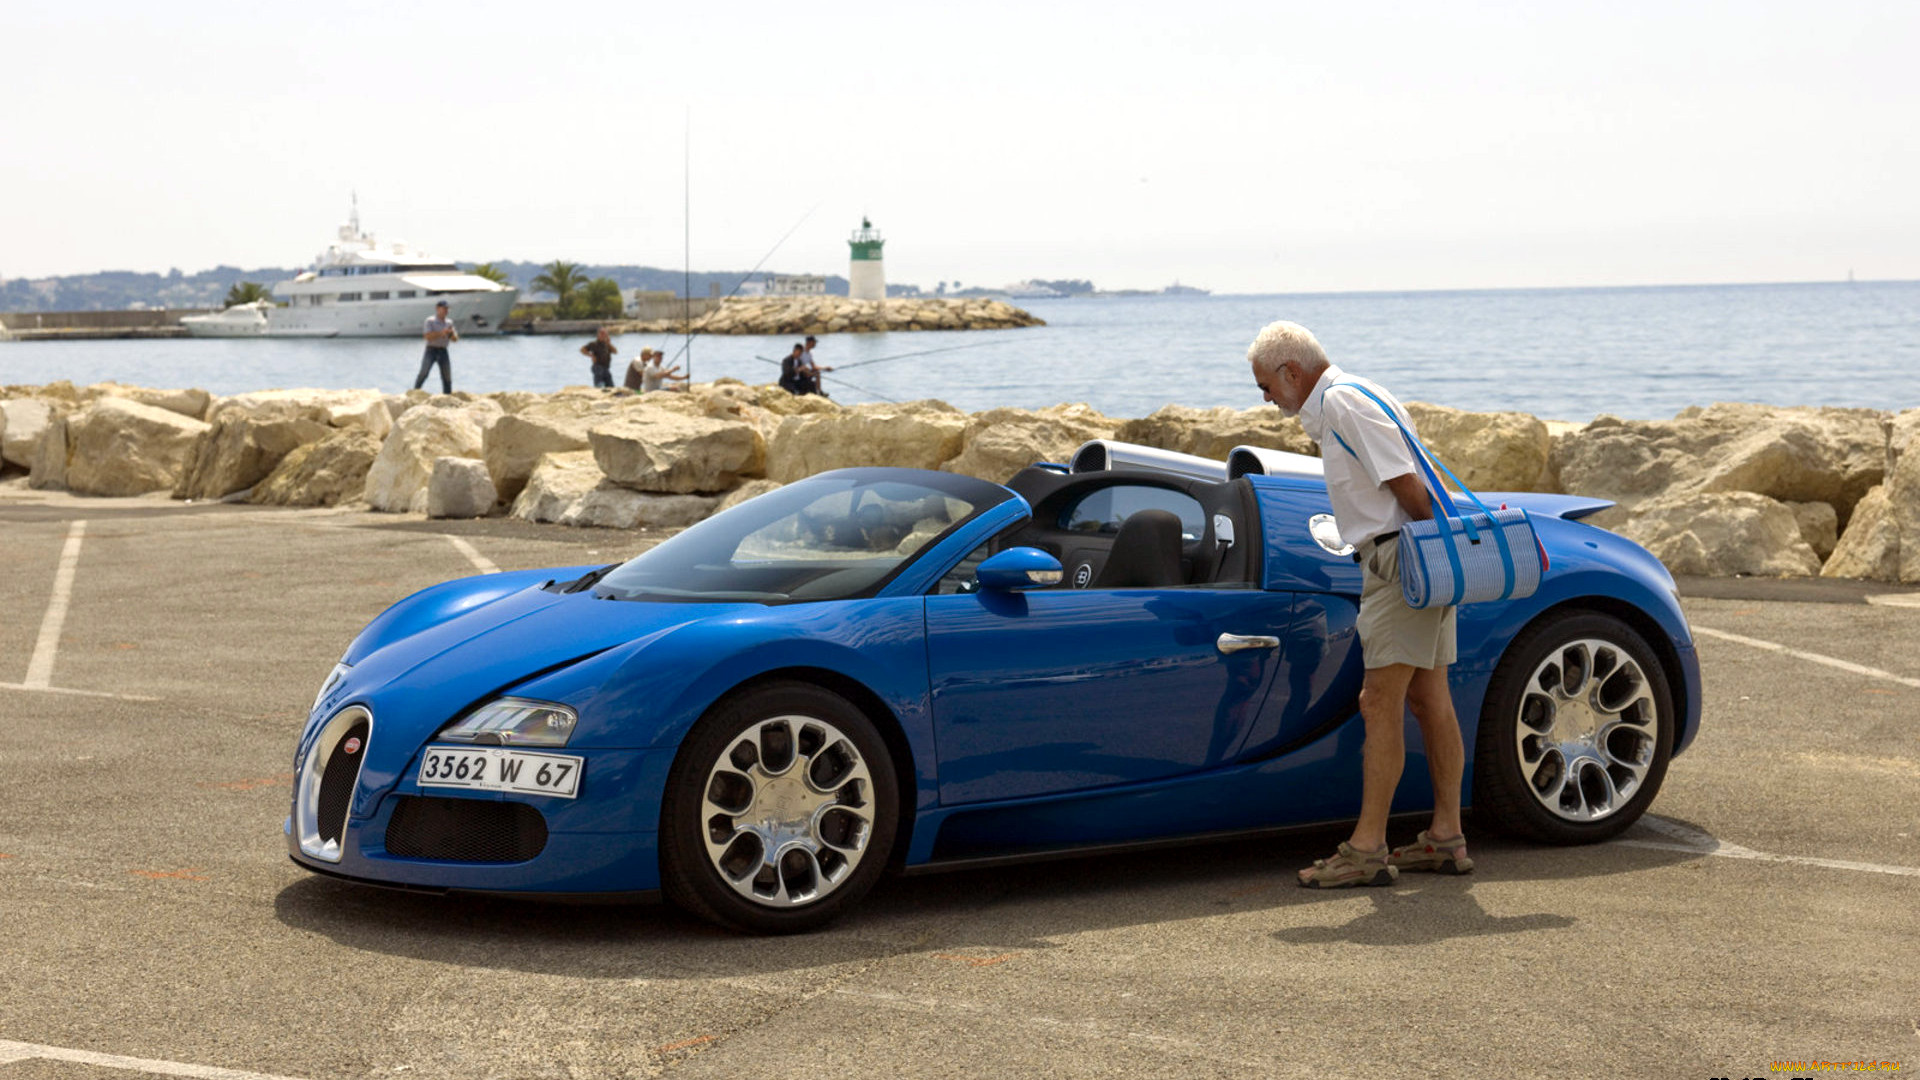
[1362,450]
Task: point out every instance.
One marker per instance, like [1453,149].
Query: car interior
[1134,529]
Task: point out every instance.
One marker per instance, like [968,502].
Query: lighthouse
[866,272]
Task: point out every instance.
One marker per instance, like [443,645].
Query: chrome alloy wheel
[788,811]
[1587,729]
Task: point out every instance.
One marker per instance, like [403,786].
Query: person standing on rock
[810,371]
[1375,487]
[599,353]
[440,333]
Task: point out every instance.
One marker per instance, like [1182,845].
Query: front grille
[336,783]
[465,830]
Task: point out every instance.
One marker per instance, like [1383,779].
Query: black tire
[1575,732]
[812,785]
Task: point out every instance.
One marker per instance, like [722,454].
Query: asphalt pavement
[156,663]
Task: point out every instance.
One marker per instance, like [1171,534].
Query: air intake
[1103,454]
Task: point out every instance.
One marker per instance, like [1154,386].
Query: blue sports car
[882,667]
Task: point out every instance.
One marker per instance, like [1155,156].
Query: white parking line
[40,668]
[19,1051]
[479,561]
[80,693]
[1833,662]
[1696,842]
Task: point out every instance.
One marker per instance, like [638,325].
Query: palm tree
[247,292]
[491,273]
[601,299]
[562,279]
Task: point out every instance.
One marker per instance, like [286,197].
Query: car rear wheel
[1576,732]
[781,810]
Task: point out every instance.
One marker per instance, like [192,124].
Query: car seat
[1146,553]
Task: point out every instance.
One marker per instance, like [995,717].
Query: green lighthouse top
[866,242]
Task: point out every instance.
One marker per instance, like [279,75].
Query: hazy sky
[1261,147]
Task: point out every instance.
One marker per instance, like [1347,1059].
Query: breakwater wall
[1718,490]
[80,325]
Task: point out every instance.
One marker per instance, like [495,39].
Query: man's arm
[1412,496]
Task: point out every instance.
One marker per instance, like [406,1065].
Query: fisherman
[809,370]
[439,334]
[656,375]
[599,353]
[791,379]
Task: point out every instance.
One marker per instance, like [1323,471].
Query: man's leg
[1383,706]
[1446,753]
[446,372]
[1383,703]
[426,365]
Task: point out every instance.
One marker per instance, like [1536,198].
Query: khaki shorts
[1390,631]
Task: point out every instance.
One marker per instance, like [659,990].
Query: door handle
[1233,643]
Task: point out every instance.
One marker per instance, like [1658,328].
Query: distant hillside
[119,290]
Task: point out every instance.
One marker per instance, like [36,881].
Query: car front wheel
[1576,732]
[780,812]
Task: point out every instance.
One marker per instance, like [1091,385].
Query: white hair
[1279,342]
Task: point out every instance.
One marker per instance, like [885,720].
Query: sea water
[1568,354]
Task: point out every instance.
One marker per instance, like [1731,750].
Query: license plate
[492,768]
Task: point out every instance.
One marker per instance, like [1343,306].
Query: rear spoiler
[1568,507]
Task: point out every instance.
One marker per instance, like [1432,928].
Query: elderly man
[1375,487]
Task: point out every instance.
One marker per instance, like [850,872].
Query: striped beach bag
[1461,558]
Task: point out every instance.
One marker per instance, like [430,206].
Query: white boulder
[50,456]
[22,423]
[1790,454]
[397,480]
[244,443]
[666,452]
[1882,540]
[1487,451]
[324,473]
[1001,442]
[192,403]
[122,447]
[1213,433]
[1722,534]
[916,435]
[569,489]
[515,444]
[460,488]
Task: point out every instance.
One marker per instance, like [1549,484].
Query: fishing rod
[744,278]
[923,352]
[835,378]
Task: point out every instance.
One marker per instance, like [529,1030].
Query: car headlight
[515,722]
[333,679]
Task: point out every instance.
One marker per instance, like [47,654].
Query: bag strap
[1422,456]
[1436,491]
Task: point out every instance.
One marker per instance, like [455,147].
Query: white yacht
[360,287]
[240,320]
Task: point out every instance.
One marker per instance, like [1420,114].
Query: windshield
[834,536]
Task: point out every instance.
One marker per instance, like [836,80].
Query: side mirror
[1019,568]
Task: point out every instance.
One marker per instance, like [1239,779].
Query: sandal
[1438,856]
[1350,867]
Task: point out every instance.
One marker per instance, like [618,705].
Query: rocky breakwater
[840,315]
[1721,490]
